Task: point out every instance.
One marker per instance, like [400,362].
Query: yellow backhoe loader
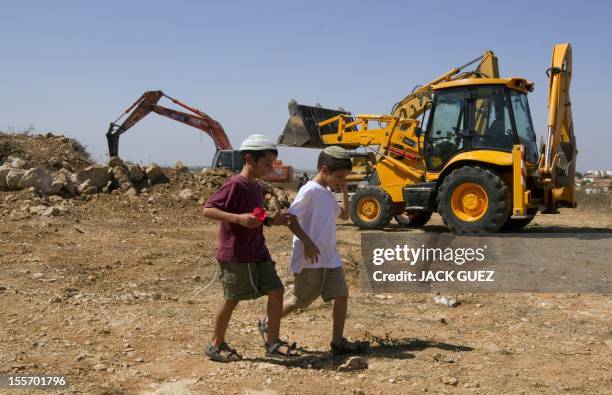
[472,157]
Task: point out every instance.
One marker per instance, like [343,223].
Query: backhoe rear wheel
[372,208]
[473,200]
[413,219]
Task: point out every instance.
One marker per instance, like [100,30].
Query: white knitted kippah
[337,152]
[257,142]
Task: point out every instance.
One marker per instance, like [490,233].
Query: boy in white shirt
[317,268]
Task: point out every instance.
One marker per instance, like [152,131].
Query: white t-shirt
[316,210]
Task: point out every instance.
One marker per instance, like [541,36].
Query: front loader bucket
[302,128]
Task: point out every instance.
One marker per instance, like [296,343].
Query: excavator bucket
[141,108]
[302,128]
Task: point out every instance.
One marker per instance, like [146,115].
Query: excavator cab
[227,159]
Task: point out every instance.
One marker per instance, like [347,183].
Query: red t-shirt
[237,243]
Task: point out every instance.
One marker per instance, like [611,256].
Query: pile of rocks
[16,174]
[57,167]
[214,178]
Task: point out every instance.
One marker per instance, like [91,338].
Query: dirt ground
[119,292]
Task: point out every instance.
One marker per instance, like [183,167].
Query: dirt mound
[48,150]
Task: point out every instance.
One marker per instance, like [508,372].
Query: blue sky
[73,66]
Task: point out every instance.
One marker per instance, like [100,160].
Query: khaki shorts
[312,283]
[239,284]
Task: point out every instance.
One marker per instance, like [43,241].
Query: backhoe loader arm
[558,165]
[318,127]
[147,103]
[415,104]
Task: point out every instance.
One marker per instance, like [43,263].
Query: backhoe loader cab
[480,114]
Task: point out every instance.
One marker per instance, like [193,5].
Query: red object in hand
[260,213]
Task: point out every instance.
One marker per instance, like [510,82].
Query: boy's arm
[311,252]
[247,220]
[345,206]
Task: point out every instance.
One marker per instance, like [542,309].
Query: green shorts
[243,281]
[312,283]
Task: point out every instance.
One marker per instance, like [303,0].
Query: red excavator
[225,156]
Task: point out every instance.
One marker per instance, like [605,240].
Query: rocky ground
[117,290]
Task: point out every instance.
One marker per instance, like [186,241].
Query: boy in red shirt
[247,270]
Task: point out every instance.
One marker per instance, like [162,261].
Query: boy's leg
[336,289]
[339,343]
[269,282]
[222,319]
[287,309]
[306,288]
[303,295]
[339,318]
[275,306]
[236,286]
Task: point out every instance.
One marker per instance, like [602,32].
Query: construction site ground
[118,293]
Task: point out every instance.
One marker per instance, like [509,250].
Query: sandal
[262,327]
[345,347]
[274,352]
[222,353]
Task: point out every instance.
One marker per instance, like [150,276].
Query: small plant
[79,148]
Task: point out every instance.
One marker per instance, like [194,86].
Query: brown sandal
[274,352]
[222,353]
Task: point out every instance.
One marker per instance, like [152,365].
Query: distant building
[598,173]
[595,181]
[602,184]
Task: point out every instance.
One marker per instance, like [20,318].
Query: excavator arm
[147,103]
[557,164]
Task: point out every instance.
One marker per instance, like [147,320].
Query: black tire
[497,194]
[413,219]
[514,225]
[371,208]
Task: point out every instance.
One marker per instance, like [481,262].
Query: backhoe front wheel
[372,208]
[473,200]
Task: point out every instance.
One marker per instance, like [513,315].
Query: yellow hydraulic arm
[413,105]
[354,132]
[557,164]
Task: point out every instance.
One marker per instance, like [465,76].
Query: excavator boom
[225,156]
[147,103]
